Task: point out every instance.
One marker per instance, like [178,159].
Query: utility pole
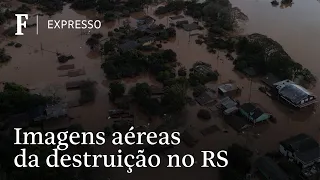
[250,89]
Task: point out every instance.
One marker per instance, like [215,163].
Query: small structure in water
[181,23]
[253,113]
[74,84]
[229,89]
[270,169]
[190,27]
[205,98]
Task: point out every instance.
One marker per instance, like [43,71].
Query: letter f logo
[21,24]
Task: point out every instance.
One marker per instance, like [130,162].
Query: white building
[294,94]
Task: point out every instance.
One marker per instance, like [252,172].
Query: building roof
[190,27]
[309,155]
[248,107]
[204,98]
[177,17]
[203,69]
[57,110]
[227,103]
[293,92]
[270,169]
[305,147]
[253,111]
[300,143]
[129,45]
[227,87]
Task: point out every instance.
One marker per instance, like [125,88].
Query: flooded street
[296,28]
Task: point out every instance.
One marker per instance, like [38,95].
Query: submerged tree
[92,42]
[116,89]
[3,56]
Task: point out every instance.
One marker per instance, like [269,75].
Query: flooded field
[296,28]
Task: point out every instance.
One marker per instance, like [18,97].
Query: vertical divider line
[37,24]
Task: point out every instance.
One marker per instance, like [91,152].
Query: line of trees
[133,63]
[267,56]
[17,99]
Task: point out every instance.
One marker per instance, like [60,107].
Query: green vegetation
[48,6]
[87,92]
[182,71]
[84,4]
[97,35]
[265,55]
[105,6]
[142,96]
[11,43]
[8,15]
[4,58]
[216,14]
[133,63]
[116,89]
[92,42]
[171,6]
[17,99]
[10,31]
[128,64]
[64,58]
[109,16]
[201,73]
[108,47]
[174,99]
[239,163]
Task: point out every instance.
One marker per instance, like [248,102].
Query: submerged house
[270,169]
[229,89]
[41,113]
[303,149]
[190,27]
[294,94]
[145,20]
[128,46]
[253,113]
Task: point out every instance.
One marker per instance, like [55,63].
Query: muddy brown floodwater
[296,28]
